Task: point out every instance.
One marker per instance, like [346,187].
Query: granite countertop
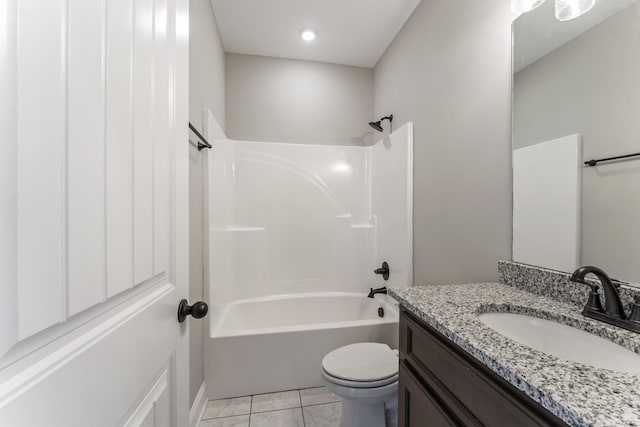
[578,394]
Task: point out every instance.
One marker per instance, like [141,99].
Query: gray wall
[591,86]
[206,91]
[206,64]
[284,100]
[449,71]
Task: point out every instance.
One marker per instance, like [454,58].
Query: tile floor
[312,407]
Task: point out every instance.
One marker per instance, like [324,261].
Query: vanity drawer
[418,406]
[454,373]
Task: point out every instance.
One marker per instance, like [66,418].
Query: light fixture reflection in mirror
[571,9]
[524,6]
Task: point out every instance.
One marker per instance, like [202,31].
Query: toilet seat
[359,384]
[361,365]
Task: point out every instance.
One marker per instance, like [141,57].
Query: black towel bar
[203,143]
[608,159]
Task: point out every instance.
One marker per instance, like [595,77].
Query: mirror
[576,97]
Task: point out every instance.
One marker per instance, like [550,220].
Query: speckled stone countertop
[578,394]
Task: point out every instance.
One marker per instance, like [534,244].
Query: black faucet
[372,292]
[613,312]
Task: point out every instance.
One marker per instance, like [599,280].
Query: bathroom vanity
[440,383]
[456,370]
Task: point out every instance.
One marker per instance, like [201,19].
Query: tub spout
[372,292]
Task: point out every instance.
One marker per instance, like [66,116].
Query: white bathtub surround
[293,312]
[277,343]
[293,218]
[314,407]
[296,232]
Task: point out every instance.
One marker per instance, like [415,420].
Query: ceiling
[351,32]
[538,32]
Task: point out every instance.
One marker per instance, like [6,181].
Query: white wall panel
[41,158]
[119,164]
[161,138]
[85,155]
[143,141]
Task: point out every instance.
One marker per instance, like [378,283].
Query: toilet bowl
[365,375]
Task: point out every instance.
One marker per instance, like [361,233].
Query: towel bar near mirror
[592,163]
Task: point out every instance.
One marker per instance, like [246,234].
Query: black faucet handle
[384,271]
[594,303]
[594,287]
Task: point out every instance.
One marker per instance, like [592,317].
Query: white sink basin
[563,341]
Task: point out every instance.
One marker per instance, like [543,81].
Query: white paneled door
[93,212]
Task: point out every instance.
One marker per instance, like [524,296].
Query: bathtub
[277,343]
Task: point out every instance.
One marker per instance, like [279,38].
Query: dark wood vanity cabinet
[441,385]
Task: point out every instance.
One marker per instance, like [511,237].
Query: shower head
[378,125]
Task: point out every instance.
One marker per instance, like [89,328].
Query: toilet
[365,375]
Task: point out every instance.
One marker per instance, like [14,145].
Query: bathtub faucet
[372,292]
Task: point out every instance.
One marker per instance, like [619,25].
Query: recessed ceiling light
[308,35]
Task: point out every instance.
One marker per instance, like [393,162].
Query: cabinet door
[417,406]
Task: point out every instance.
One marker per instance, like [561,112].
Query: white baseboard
[199,405]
